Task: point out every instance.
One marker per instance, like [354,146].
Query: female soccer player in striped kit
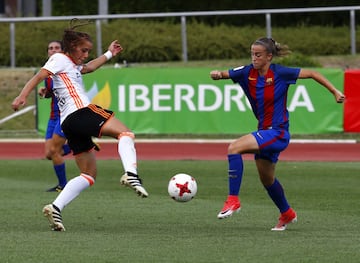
[80,120]
[55,141]
[265,85]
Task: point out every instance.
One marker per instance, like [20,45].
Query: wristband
[108,55]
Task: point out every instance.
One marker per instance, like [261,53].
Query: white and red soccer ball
[182,187]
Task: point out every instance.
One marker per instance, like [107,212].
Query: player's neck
[263,70]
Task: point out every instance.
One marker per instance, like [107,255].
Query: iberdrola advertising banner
[188,101]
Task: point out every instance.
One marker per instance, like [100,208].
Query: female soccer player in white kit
[80,120]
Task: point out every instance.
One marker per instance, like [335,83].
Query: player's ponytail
[273,47]
[72,38]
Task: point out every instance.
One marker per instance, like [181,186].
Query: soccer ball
[182,187]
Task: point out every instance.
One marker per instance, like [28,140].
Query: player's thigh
[244,144]
[58,142]
[272,140]
[114,127]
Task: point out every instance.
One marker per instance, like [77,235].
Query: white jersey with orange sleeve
[68,85]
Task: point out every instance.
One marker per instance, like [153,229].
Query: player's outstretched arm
[217,74]
[113,49]
[307,73]
[20,100]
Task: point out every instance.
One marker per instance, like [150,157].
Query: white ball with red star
[182,187]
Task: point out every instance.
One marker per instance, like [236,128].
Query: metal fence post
[268,25]
[12,45]
[184,39]
[183,15]
[352,32]
[98,38]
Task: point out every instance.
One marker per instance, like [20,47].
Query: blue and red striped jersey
[54,108]
[267,94]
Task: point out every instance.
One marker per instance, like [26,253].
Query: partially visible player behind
[55,141]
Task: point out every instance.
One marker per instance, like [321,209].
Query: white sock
[72,189]
[127,152]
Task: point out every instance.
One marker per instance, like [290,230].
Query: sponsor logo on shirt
[269,81]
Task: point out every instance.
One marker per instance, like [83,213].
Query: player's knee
[234,148]
[128,134]
[48,155]
[54,151]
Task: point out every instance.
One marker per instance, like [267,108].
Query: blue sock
[61,173]
[66,149]
[235,173]
[276,192]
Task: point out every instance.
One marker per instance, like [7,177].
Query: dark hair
[72,38]
[272,46]
[56,41]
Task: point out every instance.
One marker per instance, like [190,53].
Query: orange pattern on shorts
[99,111]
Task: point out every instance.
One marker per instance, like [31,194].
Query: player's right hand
[215,74]
[17,103]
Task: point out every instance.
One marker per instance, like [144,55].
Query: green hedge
[149,41]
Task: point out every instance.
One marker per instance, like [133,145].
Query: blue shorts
[54,128]
[271,142]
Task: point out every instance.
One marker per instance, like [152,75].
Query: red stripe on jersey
[52,113]
[72,91]
[49,84]
[269,99]
[253,75]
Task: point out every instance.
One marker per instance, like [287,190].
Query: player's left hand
[339,96]
[115,47]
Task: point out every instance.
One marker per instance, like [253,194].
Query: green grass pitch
[109,223]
